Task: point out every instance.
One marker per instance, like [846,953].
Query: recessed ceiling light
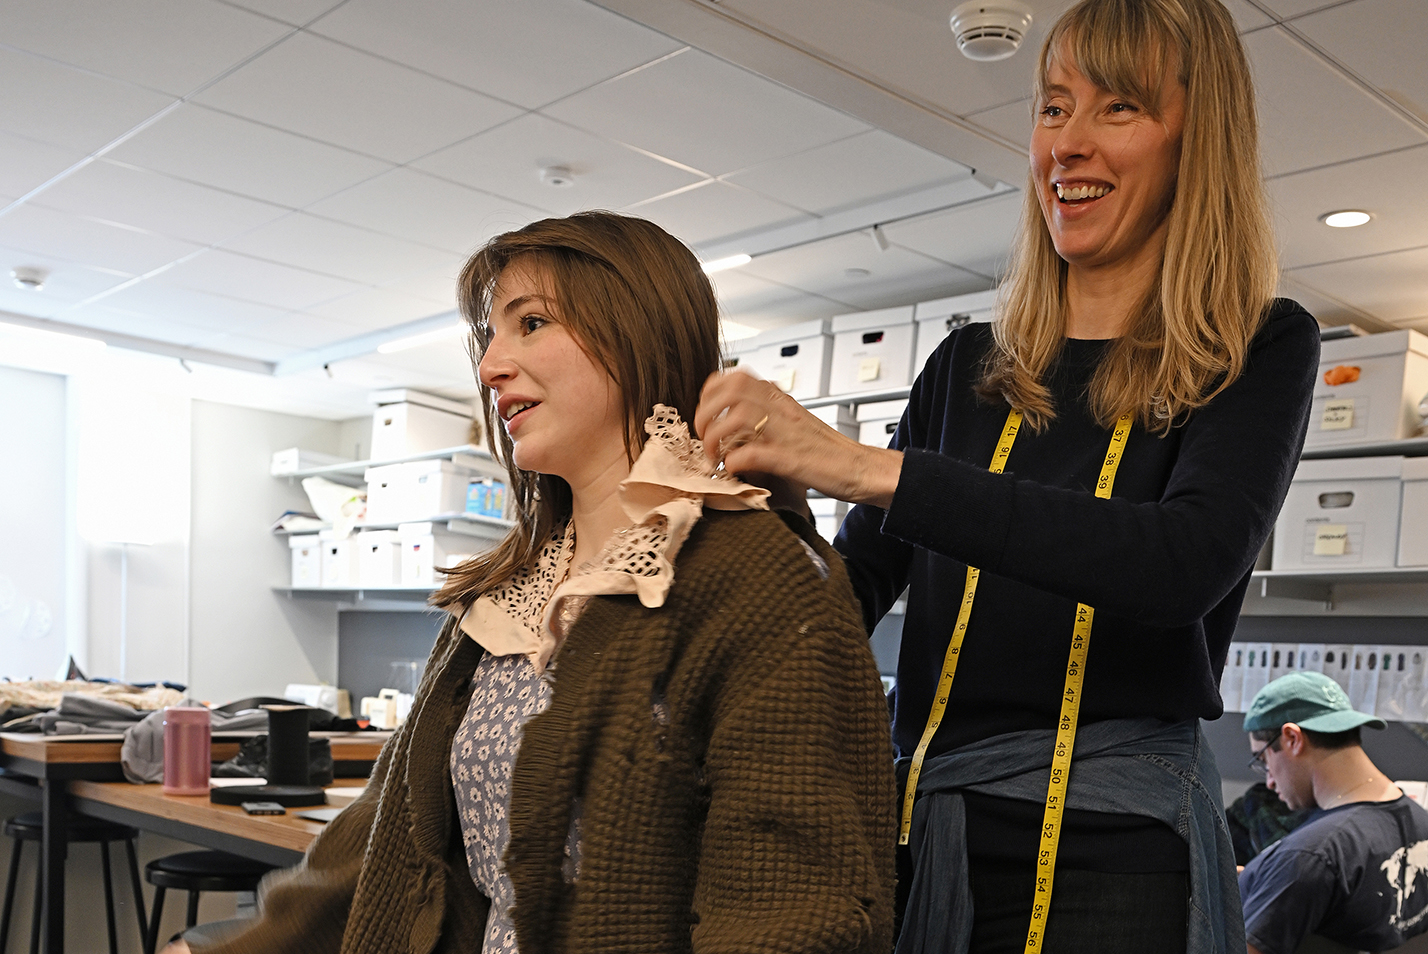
[557,177]
[29,277]
[1346,219]
[726,263]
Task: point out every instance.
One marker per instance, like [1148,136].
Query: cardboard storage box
[872,351]
[306,561]
[379,559]
[409,422]
[1340,513]
[877,421]
[936,319]
[426,546]
[339,563]
[1413,520]
[1368,388]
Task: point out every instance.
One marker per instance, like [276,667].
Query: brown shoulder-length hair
[638,302]
[1189,338]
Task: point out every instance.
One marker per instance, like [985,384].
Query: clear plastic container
[187,750]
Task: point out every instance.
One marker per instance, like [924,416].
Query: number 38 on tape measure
[1070,696]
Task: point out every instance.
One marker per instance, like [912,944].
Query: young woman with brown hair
[1075,499]
[652,722]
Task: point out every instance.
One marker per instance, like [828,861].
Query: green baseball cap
[1310,700]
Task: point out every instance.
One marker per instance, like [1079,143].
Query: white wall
[246,639]
[34,527]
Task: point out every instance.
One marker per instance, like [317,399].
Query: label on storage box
[784,379]
[869,369]
[1331,539]
[1338,415]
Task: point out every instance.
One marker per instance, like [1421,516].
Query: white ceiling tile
[67,107]
[25,163]
[158,203]
[1393,188]
[158,299]
[67,282]
[1247,16]
[437,285]
[895,276]
[1382,41]
[335,248]
[246,347]
[763,304]
[446,362]
[423,208]
[169,45]
[715,210]
[490,45]
[1297,90]
[103,318]
[394,371]
[507,160]
[86,242]
[239,276]
[1328,310]
[1012,121]
[376,308]
[295,12]
[330,92]
[303,331]
[21,302]
[1294,8]
[977,237]
[705,113]
[850,172]
[245,157]
[1391,287]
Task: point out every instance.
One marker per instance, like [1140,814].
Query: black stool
[29,827]
[195,872]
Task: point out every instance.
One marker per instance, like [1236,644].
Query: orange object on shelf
[1341,374]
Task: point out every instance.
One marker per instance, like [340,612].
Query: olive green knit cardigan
[730,751]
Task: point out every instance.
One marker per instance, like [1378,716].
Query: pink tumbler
[186,751]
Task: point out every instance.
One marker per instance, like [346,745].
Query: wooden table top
[283,831]
[346,747]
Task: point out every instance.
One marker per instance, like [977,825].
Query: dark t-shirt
[1357,875]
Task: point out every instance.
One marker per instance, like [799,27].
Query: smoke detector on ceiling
[558,177]
[990,29]
[29,277]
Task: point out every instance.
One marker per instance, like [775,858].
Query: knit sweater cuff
[950,507]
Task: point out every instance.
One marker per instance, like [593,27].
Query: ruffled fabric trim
[664,496]
[507,620]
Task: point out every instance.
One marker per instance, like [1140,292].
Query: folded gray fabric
[142,754]
[79,714]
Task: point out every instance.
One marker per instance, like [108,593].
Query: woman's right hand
[756,428]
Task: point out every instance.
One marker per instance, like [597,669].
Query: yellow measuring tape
[1070,696]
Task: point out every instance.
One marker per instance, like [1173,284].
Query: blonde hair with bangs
[1189,338]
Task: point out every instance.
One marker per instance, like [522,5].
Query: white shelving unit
[351,472]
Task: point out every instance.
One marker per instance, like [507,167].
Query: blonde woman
[652,721]
[1110,457]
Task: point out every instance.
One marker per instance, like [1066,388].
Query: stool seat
[176,871]
[80,828]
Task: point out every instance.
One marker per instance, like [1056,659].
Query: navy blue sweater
[1164,562]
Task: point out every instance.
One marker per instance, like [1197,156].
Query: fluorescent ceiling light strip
[726,263]
[363,345]
[426,338]
[146,345]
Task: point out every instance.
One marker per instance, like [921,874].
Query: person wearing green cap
[1356,872]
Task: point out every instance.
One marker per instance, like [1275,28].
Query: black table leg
[53,845]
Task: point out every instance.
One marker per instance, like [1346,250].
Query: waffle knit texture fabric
[732,753]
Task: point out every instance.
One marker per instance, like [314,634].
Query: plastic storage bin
[872,351]
[936,319]
[1413,518]
[409,422]
[878,420]
[306,561]
[1340,513]
[1368,388]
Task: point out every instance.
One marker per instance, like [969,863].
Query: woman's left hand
[753,427]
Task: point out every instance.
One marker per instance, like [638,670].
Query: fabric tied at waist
[1147,767]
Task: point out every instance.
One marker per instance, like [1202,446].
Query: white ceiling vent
[990,29]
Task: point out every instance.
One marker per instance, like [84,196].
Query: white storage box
[741,354]
[409,422]
[936,319]
[1413,522]
[295,459]
[306,560]
[388,496]
[828,515]
[434,487]
[798,358]
[878,421]
[425,547]
[838,417]
[1378,382]
[872,351]
[1340,513]
[379,559]
[339,563]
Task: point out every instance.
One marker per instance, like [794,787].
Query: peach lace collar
[664,496]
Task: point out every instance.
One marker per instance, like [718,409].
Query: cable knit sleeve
[797,847]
